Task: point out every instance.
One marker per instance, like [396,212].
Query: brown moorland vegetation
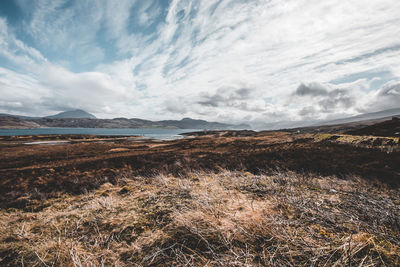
[214,219]
[41,171]
[225,198]
[385,128]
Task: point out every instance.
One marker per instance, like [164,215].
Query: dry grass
[209,219]
[387,144]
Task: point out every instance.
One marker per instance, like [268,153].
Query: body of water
[157,133]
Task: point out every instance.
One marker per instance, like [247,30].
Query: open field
[229,218]
[89,161]
[225,198]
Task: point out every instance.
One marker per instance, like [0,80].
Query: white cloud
[16,51]
[386,97]
[65,29]
[174,70]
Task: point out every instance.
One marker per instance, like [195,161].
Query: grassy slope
[225,218]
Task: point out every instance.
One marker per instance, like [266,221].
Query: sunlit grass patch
[205,218]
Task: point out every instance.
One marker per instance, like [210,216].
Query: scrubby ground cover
[44,171]
[220,218]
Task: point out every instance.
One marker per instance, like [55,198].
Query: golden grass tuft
[214,219]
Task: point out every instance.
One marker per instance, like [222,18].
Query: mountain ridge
[82,119]
[365,116]
[72,114]
[386,114]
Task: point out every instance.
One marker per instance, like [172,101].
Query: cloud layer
[226,60]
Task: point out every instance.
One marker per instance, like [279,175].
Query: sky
[220,60]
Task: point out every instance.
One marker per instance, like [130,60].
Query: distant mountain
[280,125]
[366,116]
[373,117]
[13,122]
[82,119]
[188,123]
[73,114]
[19,116]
